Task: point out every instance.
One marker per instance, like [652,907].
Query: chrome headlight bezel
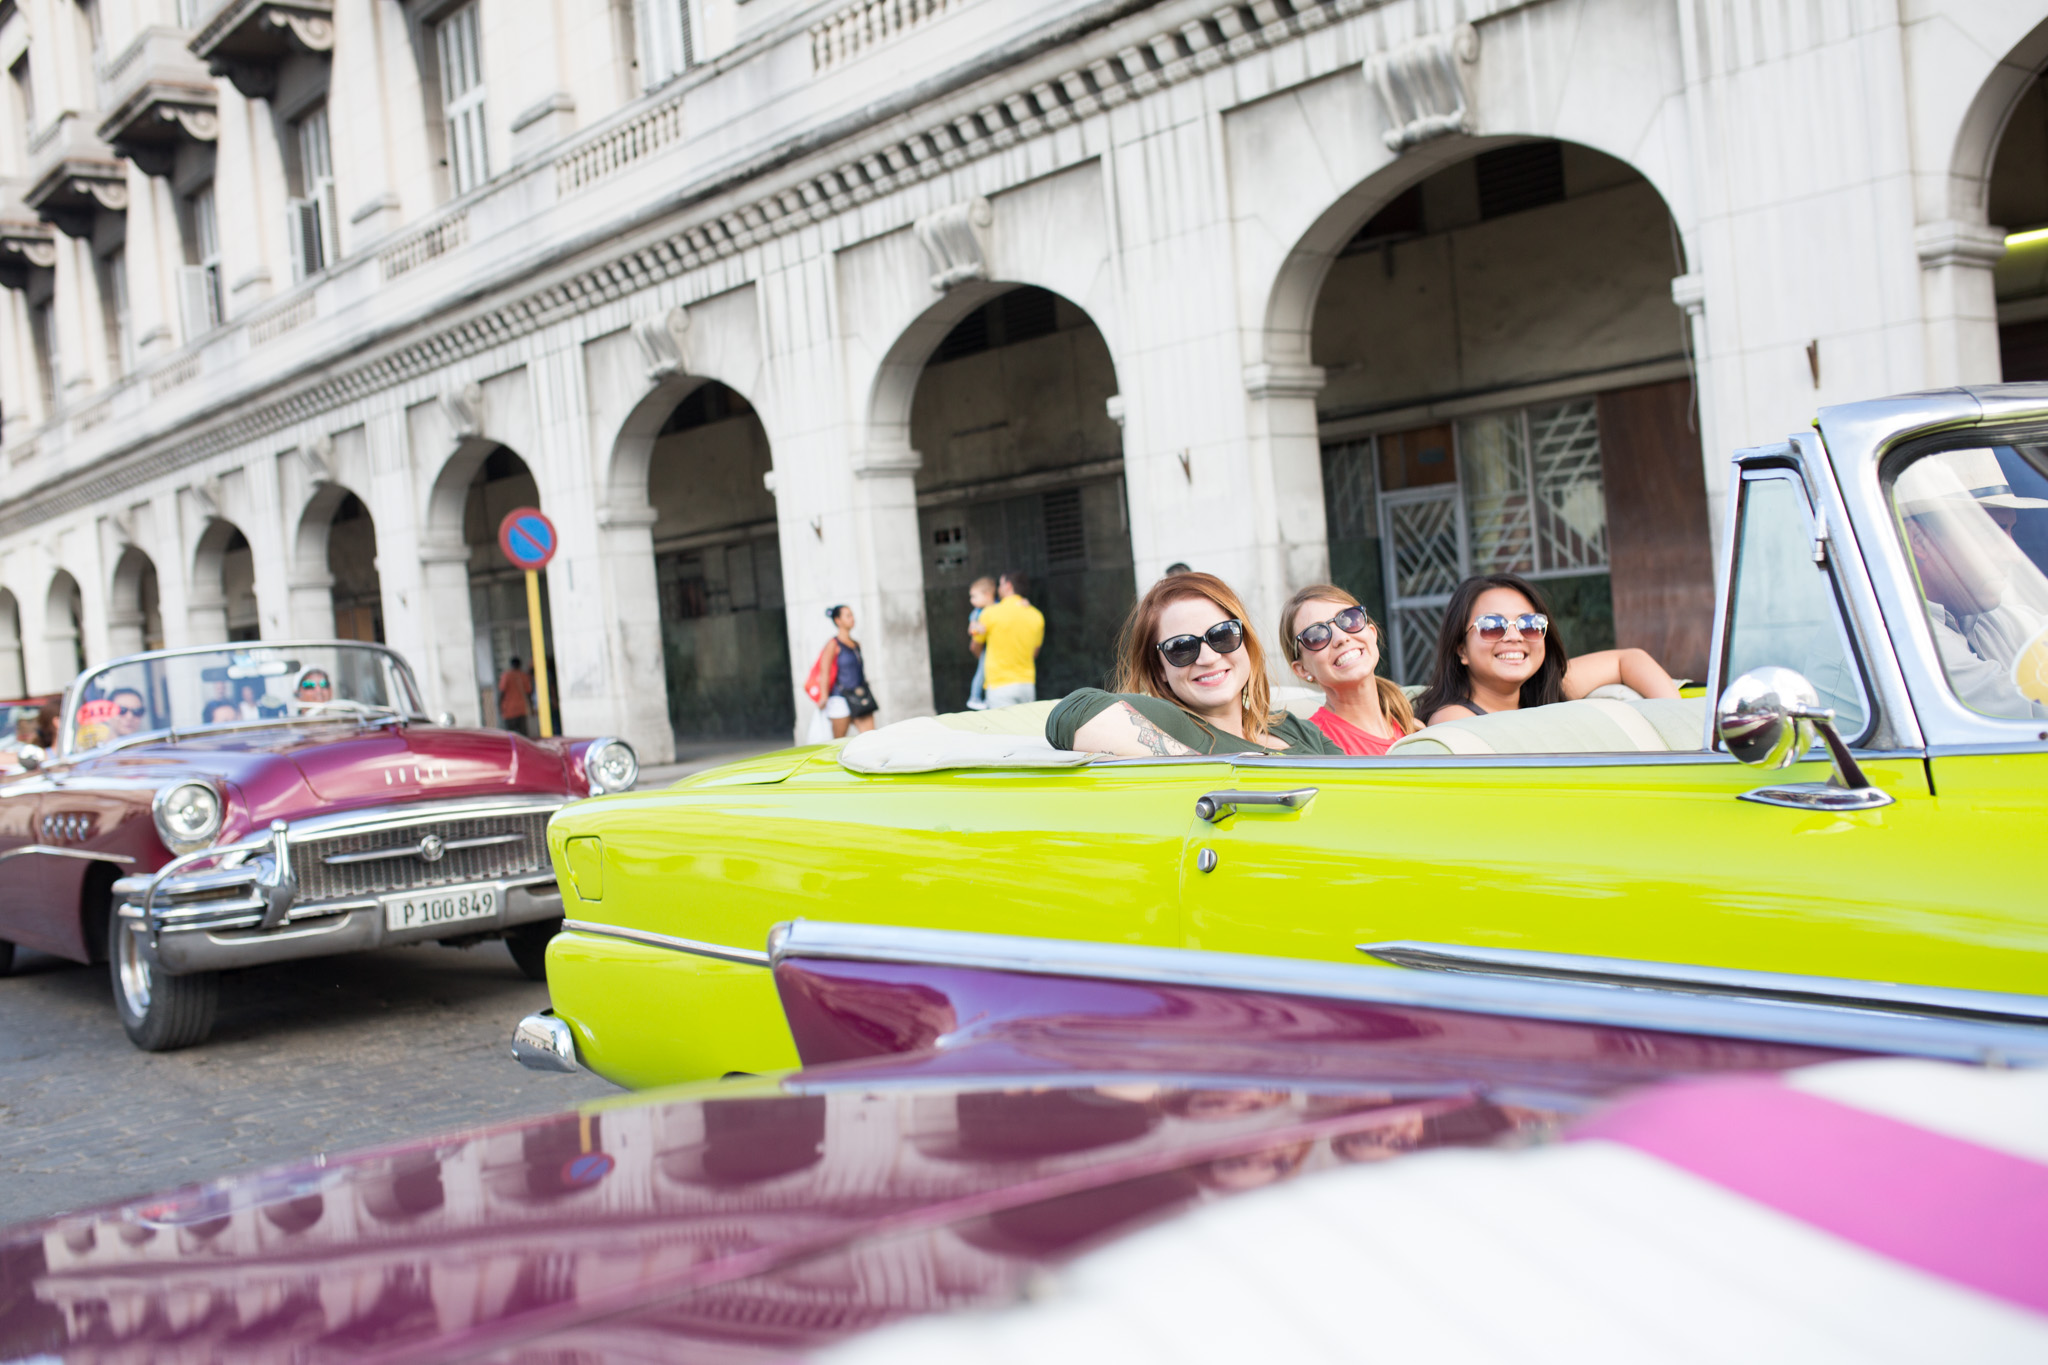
[610,766]
[182,838]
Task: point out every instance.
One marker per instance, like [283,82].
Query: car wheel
[6,957]
[159,1012]
[529,945]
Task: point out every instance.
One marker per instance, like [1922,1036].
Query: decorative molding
[206,497]
[317,455]
[661,342]
[1421,85]
[313,32]
[844,35]
[33,242]
[1283,381]
[1949,242]
[561,102]
[769,482]
[276,323]
[369,208]
[201,125]
[1689,292]
[889,462]
[956,240]
[111,195]
[859,176]
[463,406]
[1117,409]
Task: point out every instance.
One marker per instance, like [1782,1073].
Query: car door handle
[1216,805]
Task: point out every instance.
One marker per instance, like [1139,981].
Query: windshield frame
[67,730]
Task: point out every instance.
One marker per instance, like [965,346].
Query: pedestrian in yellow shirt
[1010,632]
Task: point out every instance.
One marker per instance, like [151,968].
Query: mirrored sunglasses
[1494,626]
[1351,620]
[1225,637]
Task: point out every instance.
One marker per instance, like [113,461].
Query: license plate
[443,905]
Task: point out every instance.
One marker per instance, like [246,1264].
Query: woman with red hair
[1191,679]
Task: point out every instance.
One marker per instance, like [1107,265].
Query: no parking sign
[528,539]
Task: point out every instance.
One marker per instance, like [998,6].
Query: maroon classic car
[234,805]
[1624,1174]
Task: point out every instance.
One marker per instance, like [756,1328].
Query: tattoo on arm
[1154,739]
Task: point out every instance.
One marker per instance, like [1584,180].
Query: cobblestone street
[316,1056]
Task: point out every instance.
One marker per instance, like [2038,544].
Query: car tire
[529,947]
[158,1012]
[6,957]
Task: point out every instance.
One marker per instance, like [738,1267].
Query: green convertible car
[1888,569]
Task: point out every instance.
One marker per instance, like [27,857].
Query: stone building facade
[773,305]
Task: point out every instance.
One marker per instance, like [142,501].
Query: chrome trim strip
[1666,1011]
[1944,1001]
[375,855]
[751,957]
[372,819]
[57,851]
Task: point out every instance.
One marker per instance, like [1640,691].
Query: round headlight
[611,766]
[187,816]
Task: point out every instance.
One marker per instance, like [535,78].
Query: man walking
[1010,633]
[514,689]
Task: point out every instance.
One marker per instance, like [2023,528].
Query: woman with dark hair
[1333,644]
[1191,679]
[1497,651]
[839,680]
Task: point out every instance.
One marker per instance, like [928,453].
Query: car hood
[746,1220]
[292,770]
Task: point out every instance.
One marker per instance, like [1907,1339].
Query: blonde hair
[1393,700]
[1141,668]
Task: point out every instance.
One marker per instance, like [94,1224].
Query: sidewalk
[695,758]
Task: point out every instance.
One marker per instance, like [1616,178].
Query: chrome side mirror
[1769,718]
[31,757]
[445,719]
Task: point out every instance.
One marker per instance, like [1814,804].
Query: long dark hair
[1451,685]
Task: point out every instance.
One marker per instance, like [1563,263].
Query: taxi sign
[527,537]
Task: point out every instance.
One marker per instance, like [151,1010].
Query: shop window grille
[1066,530]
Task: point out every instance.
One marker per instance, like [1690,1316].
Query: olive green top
[1066,720]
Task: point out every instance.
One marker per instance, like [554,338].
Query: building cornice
[1189,42]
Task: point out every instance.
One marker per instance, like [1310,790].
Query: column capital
[1689,292]
[888,462]
[1283,381]
[1952,242]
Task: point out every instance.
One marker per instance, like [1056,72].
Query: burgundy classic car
[234,805]
[982,1120]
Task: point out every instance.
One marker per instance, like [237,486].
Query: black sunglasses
[129,710]
[1494,626]
[1351,620]
[1225,637]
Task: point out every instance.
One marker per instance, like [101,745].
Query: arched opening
[352,564]
[1508,390]
[64,628]
[497,590]
[718,571]
[13,666]
[1023,470]
[2017,201]
[133,621]
[223,600]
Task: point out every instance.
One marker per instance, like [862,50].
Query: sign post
[528,539]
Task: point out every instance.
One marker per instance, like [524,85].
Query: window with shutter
[200,289]
[664,30]
[462,99]
[312,219]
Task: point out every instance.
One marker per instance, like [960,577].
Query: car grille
[523,857]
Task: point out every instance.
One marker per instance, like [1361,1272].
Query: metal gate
[1424,536]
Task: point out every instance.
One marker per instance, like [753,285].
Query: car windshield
[1976,528]
[233,685]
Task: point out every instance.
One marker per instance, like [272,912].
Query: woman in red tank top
[1332,644]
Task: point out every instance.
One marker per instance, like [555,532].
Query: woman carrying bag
[838,681]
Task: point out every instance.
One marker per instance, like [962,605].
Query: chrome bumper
[542,1042]
[324,930]
[245,909]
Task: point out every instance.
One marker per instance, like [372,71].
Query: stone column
[1958,301]
[446,653]
[639,690]
[889,602]
[1286,469]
